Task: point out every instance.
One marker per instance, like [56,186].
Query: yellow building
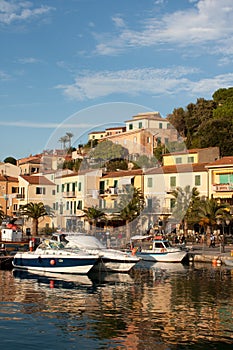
[8,194]
[115,183]
[192,156]
[220,175]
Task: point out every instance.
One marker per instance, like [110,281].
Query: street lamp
[222,223]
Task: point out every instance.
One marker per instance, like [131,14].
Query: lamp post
[219,222]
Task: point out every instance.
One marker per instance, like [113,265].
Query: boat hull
[174,256]
[112,265]
[54,263]
[228,262]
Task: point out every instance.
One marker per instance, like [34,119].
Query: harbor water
[155,306]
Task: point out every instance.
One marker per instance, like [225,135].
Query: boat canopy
[140,237]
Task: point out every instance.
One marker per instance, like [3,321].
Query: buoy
[52,262]
[216,262]
[51,284]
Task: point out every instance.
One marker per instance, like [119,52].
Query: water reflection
[155,306]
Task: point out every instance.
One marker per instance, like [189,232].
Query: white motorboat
[109,259]
[157,249]
[51,256]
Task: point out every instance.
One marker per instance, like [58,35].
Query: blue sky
[79,65]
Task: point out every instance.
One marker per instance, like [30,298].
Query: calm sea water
[153,307]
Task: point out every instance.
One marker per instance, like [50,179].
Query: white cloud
[204,22]
[12,11]
[26,124]
[4,76]
[27,60]
[154,82]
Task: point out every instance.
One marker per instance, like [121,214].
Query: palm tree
[63,141]
[131,204]
[69,136]
[34,211]
[210,211]
[186,203]
[93,215]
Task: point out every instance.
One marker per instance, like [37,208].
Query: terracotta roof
[188,151]
[8,178]
[222,161]
[122,173]
[179,168]
[37,180]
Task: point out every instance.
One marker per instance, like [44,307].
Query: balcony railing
[69,194]
[223,187]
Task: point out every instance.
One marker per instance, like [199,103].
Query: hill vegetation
[207,123]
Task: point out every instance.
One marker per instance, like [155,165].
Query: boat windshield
[48,244]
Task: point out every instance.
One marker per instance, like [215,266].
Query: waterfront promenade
[203,253]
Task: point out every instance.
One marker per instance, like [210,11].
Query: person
[212,241]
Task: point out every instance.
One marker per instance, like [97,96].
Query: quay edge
[210,255]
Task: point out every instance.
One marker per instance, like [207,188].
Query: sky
[81,65]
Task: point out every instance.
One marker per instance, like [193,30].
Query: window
[226,178]
[148,139]
[40,190]
[57,188]
[130,126]
[79,186]
[135,139]
[149,182]
[158,140]
[53,192]
[197,180]
[140,125]
[168,126]
[190,159]
[80,205]
[166,140]
[149,203]
[160,125]
[173,181]
[172,203]
[62,187]
[178,160]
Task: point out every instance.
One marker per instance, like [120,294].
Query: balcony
[222,187]
[110,191]
[69,194]
[19,196]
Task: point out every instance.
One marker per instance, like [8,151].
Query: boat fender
[52,262]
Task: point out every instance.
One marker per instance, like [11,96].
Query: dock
[205,254]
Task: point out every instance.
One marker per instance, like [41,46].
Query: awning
[126,180]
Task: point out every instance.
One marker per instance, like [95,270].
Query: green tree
[108,150]
[10,160]
[131,204]
[34,211]
[178,120]
[94,215]
[115,164]
[210,210]
[186,200]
